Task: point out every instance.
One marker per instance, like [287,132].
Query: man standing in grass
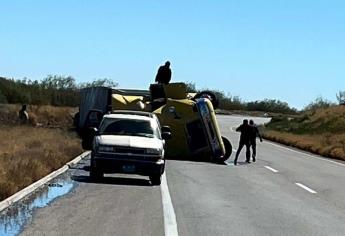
[245,130]
[253,134]
[23,115]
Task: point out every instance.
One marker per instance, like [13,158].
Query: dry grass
[46,116]
[28,153]
[327,144]
[320,131]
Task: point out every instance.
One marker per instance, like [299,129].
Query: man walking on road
[245,130]
[252,139]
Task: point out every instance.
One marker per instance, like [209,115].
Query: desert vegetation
[319,129]
[47,141]
[235,103]
[31,151]
[53,90]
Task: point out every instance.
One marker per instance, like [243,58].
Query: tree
[191,87]
[105,82]
[341,97]
[318,103]
[58,82]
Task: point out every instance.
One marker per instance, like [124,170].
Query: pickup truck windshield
[130,127]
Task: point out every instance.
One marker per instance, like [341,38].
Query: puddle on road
[14,218]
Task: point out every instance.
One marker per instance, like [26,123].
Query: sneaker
[254,159]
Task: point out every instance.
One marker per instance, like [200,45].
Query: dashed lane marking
[271,169]
[305,188]
[170,225]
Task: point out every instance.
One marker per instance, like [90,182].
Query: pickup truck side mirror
[166,135]
[94,131]
[166,128]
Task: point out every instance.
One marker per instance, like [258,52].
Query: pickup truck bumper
[128,165]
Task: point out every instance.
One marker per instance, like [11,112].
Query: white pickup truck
[129,142]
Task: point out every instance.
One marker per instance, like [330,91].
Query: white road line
[271,169]
[170,225]
[305,187]
[306,154]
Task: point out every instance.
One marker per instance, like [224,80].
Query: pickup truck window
[130,127]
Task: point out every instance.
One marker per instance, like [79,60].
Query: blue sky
[291,50]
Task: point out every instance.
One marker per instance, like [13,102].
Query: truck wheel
[156,179]
[228,150]
[211,95]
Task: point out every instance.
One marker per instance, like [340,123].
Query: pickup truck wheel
[95,174]
[156,179]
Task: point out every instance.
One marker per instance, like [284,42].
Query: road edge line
[300,151]
[170,225]
[32,187]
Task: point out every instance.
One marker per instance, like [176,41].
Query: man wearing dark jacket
[253,134]
[164,74]
[245,130]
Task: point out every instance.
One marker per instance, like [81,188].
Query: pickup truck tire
[95,174]
[156,179]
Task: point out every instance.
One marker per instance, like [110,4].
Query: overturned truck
[189,116]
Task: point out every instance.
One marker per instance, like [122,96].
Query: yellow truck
[189,117]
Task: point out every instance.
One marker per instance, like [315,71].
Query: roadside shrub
[318,103]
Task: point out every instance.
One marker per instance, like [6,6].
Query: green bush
[53,90]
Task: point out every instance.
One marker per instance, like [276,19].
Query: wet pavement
[16,216]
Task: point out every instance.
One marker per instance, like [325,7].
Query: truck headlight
[102,148]
[153,151]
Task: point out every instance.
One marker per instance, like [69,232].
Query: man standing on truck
[245,130]
[164,74]
[254,133]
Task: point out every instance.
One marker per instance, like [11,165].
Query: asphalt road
[286,192]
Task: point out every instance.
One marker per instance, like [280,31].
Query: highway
[285,192]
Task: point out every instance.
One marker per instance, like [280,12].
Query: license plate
[128,168]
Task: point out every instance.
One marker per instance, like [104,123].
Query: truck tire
[212,96]
[228,148]
[156,179]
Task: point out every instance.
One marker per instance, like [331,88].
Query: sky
[291,50]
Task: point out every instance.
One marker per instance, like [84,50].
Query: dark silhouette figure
[23,115]
[245,130]
[254,133]
[164,74]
